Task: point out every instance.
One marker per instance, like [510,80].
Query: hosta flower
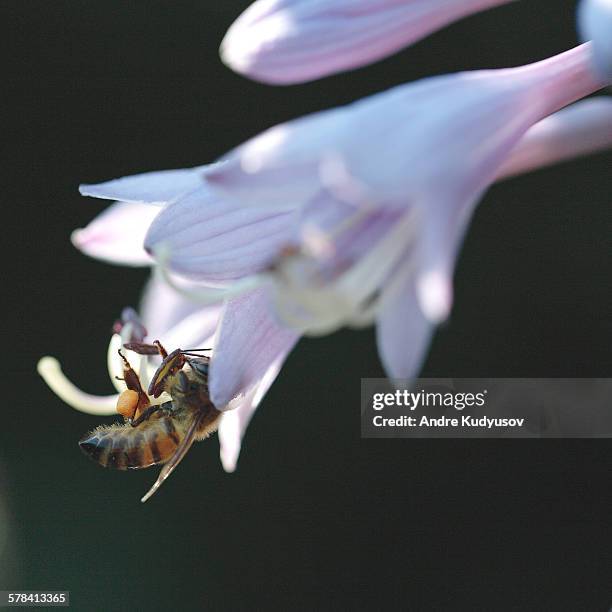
[332,263]
[579,129]
[351,216]
[249,349]
[210,239]
[385,188]
[332,278]
[290,41]
[595,24]
[419,144]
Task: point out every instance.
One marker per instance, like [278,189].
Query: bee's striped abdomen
[125,447]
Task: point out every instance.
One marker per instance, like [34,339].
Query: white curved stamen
[144,371]
[114,363]
[324,308]
[321,311]
[389,291]
[366,317]
[320,243]
[366,276]
[139,363]
[100,405]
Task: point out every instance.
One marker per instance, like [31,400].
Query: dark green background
[314,516]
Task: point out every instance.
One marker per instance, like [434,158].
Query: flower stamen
[314,307]
[115,366]
[100,405]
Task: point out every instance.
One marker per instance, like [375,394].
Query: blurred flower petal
[117,234]
[209,239]
[436,254]
[579,129]
[408,144]
[176,321]
[595,23]
[195,331]
[435,293]
[403,334]
[248,343]
[291,41]
[147,188]
[427,151]
[235,421]
[280,163]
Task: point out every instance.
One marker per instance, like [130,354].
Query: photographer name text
[414,400]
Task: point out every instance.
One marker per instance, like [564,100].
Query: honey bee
[154,434]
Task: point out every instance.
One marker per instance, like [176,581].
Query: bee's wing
[179,453]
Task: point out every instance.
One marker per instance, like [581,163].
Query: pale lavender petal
[231,431]
[441,239]
[405,325]
[279,168]
[403,335]
[210,239]
[148,188]
[579,129]
[235,421]
[196,331]
[435,292]
[436,253]
[248,342]
[175,320]
[285,42]
[595,23]
[446,150]
[117,234]
[409,144]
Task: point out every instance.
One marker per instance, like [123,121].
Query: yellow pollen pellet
[127,402]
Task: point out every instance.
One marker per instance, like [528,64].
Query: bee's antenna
[196,353]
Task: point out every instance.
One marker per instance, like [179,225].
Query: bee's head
[199,366]
[191,380]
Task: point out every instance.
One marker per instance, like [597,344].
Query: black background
[314,516]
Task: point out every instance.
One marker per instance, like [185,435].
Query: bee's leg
[162,351]
[132,381]
[145,415]
[142,348]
